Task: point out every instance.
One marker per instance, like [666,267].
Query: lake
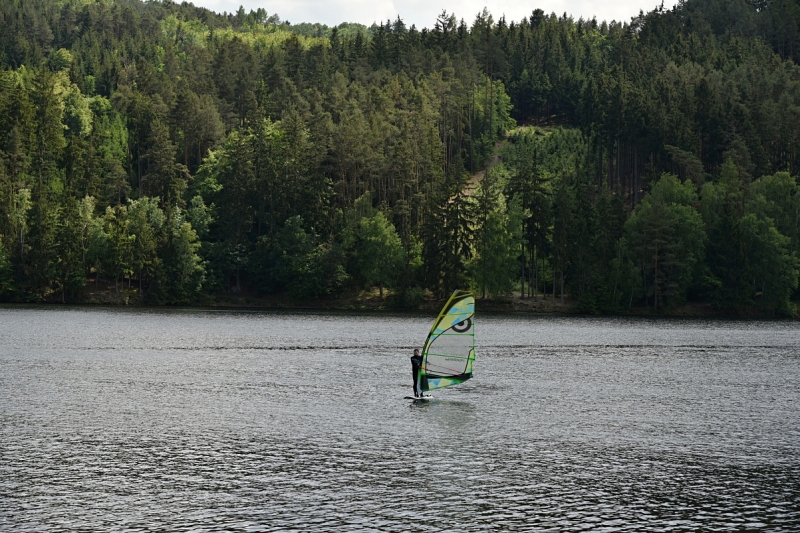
[203,420]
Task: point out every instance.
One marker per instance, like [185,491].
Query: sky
[423,13]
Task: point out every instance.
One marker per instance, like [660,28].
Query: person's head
[416,351]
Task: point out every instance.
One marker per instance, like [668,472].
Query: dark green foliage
[666,241]
[174,151]
[497,239]
[296,263]
[447,236]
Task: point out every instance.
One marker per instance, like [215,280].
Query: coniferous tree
[258,137]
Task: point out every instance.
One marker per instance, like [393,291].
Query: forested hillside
[180,154]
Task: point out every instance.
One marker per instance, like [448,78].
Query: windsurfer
[416,363]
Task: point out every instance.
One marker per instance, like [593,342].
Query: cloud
[423,13]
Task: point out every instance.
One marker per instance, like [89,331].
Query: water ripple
[296,422]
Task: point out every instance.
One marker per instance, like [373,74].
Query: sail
[450,348]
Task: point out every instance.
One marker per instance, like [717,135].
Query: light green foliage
[59,60]
[200,216]
[145,225]
[90,230]
[77,112]
[111,130]
[669,190]
[189,33]
[185,268]
[378,251]
[205,182]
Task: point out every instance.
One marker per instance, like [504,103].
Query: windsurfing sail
[450,348]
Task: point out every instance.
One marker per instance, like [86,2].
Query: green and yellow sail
[449,350]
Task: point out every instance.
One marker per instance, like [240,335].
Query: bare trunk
[544,281]
[619,182]
[531,272]
[522,290]
[534,272]
[655,282]
[491,107]
[635,177]
[139,166]
[471,143]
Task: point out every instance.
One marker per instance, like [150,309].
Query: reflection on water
[218,421]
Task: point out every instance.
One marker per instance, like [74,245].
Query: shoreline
[370,302]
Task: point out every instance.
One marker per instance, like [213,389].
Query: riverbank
[106,294]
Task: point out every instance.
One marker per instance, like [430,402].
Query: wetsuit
[416,362]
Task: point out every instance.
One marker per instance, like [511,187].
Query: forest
[174,155]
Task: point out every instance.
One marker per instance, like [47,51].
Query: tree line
[178,153]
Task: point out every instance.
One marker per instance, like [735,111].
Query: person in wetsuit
[416,363]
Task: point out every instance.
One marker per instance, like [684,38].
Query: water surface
[186,420]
